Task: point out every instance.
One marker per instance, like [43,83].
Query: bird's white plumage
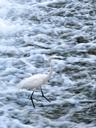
[33,82]
[37,80]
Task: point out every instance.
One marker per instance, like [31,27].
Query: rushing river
[30,32]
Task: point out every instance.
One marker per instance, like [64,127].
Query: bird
[37,81]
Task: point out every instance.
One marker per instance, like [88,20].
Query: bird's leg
[32,99]
[44,95]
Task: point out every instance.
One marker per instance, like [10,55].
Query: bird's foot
[46,98]
[44,95]
[33,104]
[31,98]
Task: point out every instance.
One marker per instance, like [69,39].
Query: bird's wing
[34,81]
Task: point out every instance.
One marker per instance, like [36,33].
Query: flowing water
[30,32]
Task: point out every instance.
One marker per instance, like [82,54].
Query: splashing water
[32,30]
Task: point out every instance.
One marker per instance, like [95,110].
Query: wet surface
[30,32]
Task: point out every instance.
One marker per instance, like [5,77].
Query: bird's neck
[50,71]
[50,68]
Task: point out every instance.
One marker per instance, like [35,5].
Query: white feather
[33,82]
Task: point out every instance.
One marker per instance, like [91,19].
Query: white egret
[36,81]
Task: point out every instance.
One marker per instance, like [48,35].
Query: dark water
[30,32]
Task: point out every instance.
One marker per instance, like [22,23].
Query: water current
[30,32]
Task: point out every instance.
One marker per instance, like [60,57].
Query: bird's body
[33,82]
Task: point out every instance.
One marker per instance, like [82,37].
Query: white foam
[30,29]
